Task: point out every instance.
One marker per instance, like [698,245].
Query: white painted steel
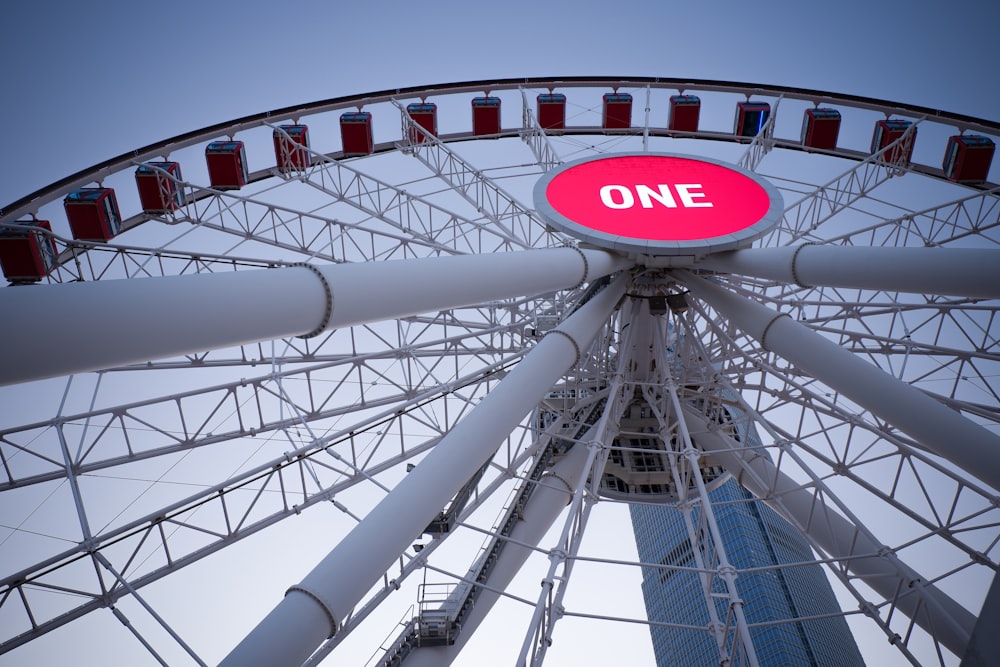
[544,506]
[725,568]
[341,579]
[937,427]
[59,329]
[342,399]
[972,272]
[561,559]
[852,545]
[375,291]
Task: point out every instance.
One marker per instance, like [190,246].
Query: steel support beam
[313,610]
[985,641]
[949,271]
[552,494]
[724,567]
[54,330]
[501,209]
[937,427]
[562,557]
[877,566]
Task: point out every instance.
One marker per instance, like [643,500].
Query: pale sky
[85,85]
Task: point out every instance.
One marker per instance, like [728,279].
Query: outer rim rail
[96,172]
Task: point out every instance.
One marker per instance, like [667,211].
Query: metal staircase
[439,622]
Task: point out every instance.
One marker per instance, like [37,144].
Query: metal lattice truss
[120,482]
[762,142]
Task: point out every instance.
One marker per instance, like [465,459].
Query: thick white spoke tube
[937,427]
[946,620]
[312,610]
[544,506]
[51,330]
[972,272]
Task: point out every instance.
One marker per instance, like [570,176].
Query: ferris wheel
[388,334]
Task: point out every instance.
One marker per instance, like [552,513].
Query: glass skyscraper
[754,537]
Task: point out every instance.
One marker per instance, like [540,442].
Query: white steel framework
[389,365]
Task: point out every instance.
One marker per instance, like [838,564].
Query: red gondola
[159,190]
[750,118]
[93,214]
[485,115]
[968,157]
[423,114]
[290,142]
[684,113]
[227,165]
[356,133]
[617,112]
[27,253]
[552,111]
[820,128]
[888,131]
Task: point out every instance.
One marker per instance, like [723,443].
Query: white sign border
[629,244]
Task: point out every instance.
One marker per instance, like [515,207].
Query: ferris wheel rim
[95,172]
[389,148]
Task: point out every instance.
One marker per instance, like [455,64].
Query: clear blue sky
[84,85]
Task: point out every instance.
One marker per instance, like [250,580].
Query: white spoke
[398,355]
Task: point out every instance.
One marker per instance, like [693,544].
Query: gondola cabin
[93,214]
[290,144]
[227,165]
[485,115]
[159,187]
[967,158]
[820,128]
[552,111]
[617,111]
[684,113]
[356,133]
[750,118]
[888,131]
[27,253]
[423,114]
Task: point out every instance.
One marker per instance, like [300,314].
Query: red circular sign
[658,197]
